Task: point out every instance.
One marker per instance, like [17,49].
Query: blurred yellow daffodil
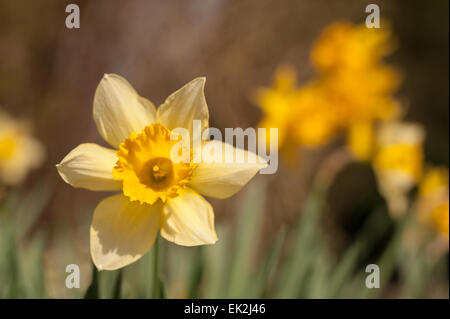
[316,121]
[343,45]
[433,202]
[302,115]
[352,92]
[357,83]
[156,193]
[19,151]
[398,162]
[277,103]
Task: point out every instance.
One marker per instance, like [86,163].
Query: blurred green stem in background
[118,285]
[296,268]
[158,285]
[298,261]
[263,284]
[244,246]
[387,261]
[21,248]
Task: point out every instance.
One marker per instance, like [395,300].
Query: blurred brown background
[49,73]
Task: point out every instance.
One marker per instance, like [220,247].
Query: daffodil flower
[20,152]
[303,116]
[352,92]
[433,200]
[353,47]
[398,162]
[356,81]
[156,193]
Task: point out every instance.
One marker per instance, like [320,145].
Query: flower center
[7,147]
[158,173]
[145,166]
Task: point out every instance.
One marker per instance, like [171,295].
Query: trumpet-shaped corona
[401,158]
[146,168]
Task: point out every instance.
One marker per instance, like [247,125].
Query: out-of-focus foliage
[297,263]
[281,238]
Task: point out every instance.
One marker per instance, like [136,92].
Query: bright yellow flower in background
[356,81]
[433,200]
[315,121]
[363,96]
[156,193]
[277,103]
[19,151]
[353,91]
[361,139]
[302,115]
[343,45]
[398,162]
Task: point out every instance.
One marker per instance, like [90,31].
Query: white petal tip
[108,76]
[59,168]
[201,79]
[213,239]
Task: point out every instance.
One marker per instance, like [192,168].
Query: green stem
[118,284]
[156,276]
[197,273]
[93,290]
[388,261]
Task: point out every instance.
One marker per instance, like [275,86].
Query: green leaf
[217,259]
[263,283]
[31,271]
[249,222]
[344,269]
[303,250]
[158,284]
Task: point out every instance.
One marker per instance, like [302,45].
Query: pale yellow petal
[119,110]
[28,154]
[215,177]
[394,187]
[90,166]
[405,133]
[184,106]
[122,231]
[188,220]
